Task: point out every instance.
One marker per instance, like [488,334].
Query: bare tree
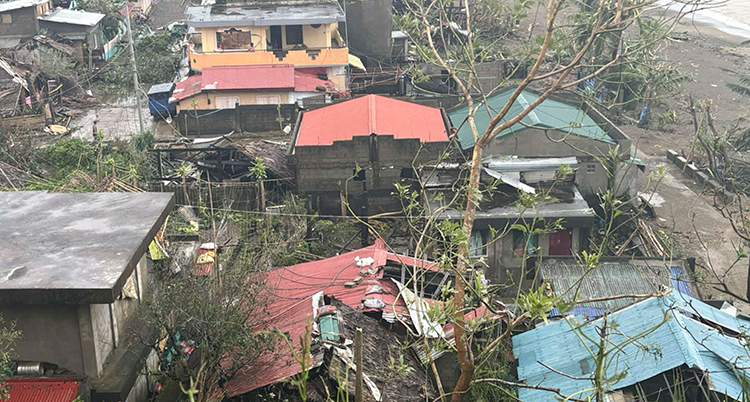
[566,54]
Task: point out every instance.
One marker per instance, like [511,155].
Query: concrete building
[19,19]
[369,26]
[303,33]
[80,27]
[503,257]
[74,272]
[386,138]
[556,128]
[231,86]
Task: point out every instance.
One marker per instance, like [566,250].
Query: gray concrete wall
[247,118]
[369,25]
[321,172]
[504,268]
[102,334]
[533,142]
[24,23]
[50,334]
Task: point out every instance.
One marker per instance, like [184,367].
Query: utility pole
[359,395]
[135,67]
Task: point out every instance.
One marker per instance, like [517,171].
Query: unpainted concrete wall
[369,24]
[249,118]
[50,334]
[533,142]
[504,267]
[321,172]
[23,23]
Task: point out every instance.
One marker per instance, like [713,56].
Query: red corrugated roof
[271,76]
[186,88]
[308,81]
[250,78]
[371,114]
[291,290]
[42,389]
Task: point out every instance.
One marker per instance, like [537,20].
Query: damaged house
[385,138]
[19,19]
[660,349]
[508,179]
[334,294]
[302,33]
[556,128]
[74,274]
[82,28]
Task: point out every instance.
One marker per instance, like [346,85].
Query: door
[561,242]
[276,43]
[226,102]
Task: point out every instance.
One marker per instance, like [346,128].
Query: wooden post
[358,391]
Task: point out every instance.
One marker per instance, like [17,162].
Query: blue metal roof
[679,341]
[161,88]
[570,279]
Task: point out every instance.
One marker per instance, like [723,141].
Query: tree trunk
[462,345]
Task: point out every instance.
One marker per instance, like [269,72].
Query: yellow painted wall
[326,57]
[246,98]
[313,37]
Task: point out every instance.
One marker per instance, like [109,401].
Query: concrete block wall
[322,171]
[703,178]
[247,118]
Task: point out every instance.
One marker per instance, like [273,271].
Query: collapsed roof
[682,330]
[354,278]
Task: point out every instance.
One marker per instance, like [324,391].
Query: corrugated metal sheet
[371,114]
[549,114]
[276,76]
[609,279]
[250,78]
[291,290]
[73,17]
[680,340]
[186,88]
[42,389]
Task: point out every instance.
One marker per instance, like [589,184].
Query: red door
[561,243]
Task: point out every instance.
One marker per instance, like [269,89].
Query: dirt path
[681,209]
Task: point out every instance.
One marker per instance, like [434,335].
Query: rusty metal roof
[371,114]
[42,389]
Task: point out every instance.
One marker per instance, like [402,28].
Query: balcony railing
[298,57]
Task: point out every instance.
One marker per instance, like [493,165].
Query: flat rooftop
[74,248]
[263,14]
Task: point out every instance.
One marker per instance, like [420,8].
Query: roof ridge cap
[372,114]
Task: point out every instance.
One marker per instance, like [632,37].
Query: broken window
[7,19]
[519,242]
[478,244]
[235,39]
[293,34]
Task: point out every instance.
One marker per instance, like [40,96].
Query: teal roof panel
[680,340]
[550,114]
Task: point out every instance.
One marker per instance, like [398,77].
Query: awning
[355,62]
